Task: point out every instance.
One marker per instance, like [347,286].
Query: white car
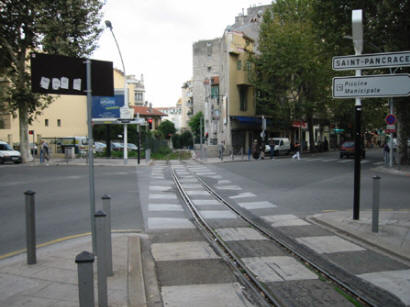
[8,154]
[282,146]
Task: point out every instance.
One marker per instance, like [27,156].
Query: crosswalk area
[187,264]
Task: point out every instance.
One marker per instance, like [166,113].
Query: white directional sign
[371,61]
[397,85]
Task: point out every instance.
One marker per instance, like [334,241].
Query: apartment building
[220,85]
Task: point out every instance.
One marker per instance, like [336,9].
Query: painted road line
[329,244]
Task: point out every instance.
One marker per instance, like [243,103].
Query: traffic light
[31,132]
[150,123]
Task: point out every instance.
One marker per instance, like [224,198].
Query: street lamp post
[109,26]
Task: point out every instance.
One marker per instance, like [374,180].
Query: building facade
[221,88]
[66,116]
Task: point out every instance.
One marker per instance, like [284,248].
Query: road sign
[397,85]
[390,119]
[62,75]
[390,128]
[371,61]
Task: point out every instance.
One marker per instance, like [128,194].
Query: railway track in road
[278,270]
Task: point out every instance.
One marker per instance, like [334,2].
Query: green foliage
[186,139]
[167,128]
[176,141]
[291,76]
[194,124]
[386,28]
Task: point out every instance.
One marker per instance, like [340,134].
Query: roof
[144,111]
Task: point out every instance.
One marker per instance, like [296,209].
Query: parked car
[132,147]
[8,154]
[117,146]
[281,146]
[100,146]
[348,150]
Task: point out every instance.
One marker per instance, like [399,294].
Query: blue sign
[106,106]
[390,119]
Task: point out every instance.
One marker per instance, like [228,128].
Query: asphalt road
[311,185]
[62,201]
[318,182]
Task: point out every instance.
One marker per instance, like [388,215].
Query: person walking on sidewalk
[297,149]
[386,151]
[221,150]
[44,152]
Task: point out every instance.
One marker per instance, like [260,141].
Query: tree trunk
[24,142]
[403,125]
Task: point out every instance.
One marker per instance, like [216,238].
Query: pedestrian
[386,151]
[255,150]
[262,151]
[221,149]
[272,148]
[45,152]
[297,149]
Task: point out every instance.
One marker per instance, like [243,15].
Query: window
[46,122]
[209,49]
[243,97]
[215,91]
[58,122]
[248,65]
[239,64]
[138,96]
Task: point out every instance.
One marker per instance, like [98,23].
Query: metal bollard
[107,209]
[101,255]
[85,270]
[376,203]
[30,227]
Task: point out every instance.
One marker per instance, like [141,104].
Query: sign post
[357,33]
[62,75]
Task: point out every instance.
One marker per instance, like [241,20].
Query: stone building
[220,87]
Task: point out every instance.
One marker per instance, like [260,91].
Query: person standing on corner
[297,149]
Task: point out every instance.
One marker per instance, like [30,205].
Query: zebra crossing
[271,268]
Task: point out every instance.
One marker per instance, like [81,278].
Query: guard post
[30,227]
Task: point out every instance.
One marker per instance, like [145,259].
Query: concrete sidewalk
[97,162]
[392,238]
[53,281]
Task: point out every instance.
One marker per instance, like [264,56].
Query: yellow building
[66,116]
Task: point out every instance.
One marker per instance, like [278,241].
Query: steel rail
[360,297]
[235,262]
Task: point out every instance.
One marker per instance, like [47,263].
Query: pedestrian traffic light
[150,123]
[31,132]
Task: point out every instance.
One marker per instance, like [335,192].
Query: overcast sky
[156,37]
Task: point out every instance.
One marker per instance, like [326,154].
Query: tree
[195,124]
[386,28]
[167,128]
[290,76]
[64,27]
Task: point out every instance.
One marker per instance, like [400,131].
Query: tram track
[351,286]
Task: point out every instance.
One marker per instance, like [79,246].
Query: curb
[136,296]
